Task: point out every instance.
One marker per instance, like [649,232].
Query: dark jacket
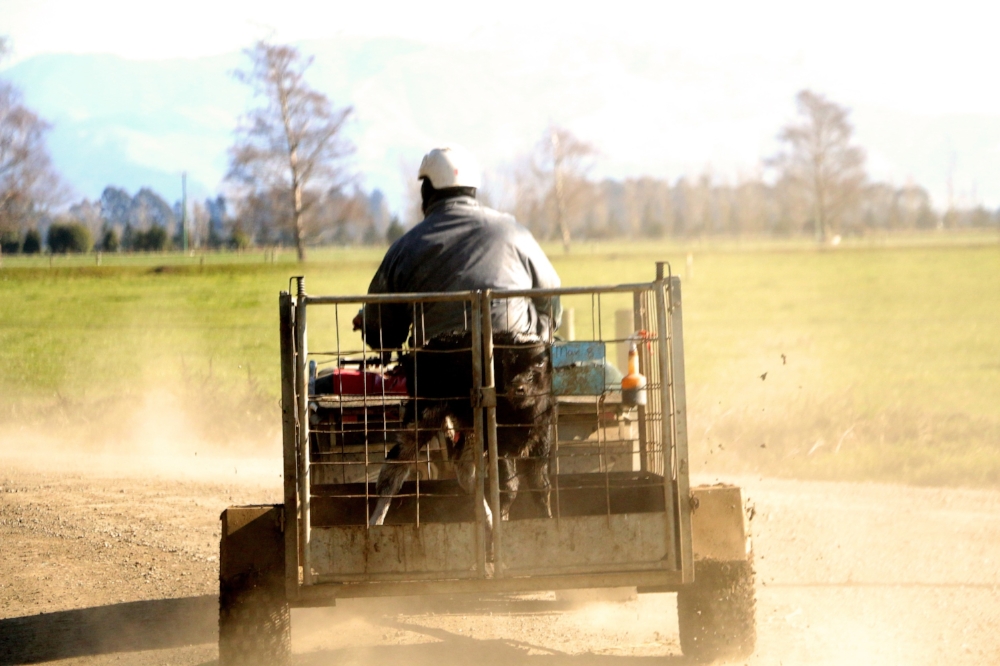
[461,246]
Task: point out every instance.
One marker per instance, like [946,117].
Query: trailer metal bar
[669,488]
[570,291]
[677,390]
[450,296]
[286,333]
[638,317]
[303,444]
[491,436]
[477,426]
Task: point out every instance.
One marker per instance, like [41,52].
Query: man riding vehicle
[459,246]
[463,246]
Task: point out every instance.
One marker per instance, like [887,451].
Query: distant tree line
[817,184]
[145,222]
[334,217]
[647,207]
[117,222]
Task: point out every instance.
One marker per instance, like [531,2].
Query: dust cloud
[776,414]
[162,431]
[847,573]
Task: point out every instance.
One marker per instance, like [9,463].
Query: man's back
[462,246]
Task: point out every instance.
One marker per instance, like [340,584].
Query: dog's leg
[465,469]
[536,472]
[508,485]
[489,515]
[537,465]
[396,469]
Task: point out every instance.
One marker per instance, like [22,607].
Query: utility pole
[184,211]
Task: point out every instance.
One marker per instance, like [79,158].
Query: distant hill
[141,123]
[134,124]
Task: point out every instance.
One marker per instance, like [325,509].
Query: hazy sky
[929,57]
[890,62]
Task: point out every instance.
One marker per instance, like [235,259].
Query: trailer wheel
[254,622]
[716,614]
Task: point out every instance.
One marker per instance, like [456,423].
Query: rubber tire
[255,626]
[716,615]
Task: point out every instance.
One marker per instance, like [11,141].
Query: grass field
[882,358]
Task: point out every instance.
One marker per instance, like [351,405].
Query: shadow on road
[127,627]
[173,623]
[449,647]
[454,649]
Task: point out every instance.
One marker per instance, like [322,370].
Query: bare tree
[821,162]
[563,162]
[293,139]
[28,183]
[526,195]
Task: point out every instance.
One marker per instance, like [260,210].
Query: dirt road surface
[119,566]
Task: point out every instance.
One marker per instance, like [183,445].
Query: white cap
[450,167]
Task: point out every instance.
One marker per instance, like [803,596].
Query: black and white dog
[439,381]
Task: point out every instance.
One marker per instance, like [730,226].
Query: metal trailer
[623,512]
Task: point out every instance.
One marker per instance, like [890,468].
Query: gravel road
[112,561]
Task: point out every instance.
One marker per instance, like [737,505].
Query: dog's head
[525,370]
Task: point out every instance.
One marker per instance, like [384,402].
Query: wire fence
[364,404]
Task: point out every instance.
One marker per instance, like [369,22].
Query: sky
[715,79]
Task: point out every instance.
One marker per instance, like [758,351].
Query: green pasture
[882,358]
